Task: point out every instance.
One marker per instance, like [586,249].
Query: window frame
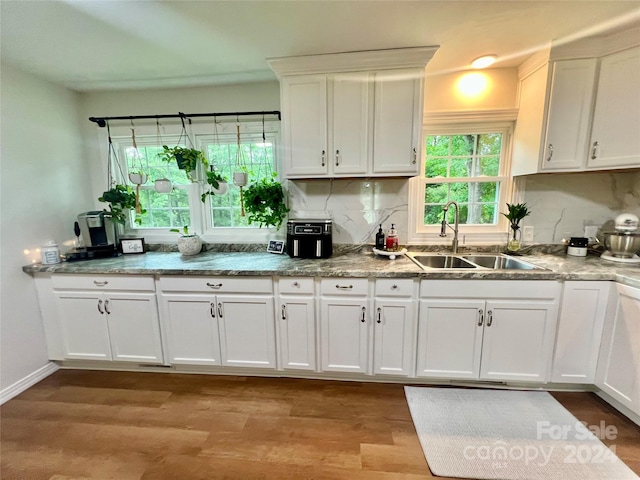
[199,134]
[470,234]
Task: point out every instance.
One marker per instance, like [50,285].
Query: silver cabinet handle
[284,312]
[215,286]
[550,150]
[379,315]
[212,310]
[100,307]
[220,310]
[394,286]
[344,287]
[296,284]
[480,317]
[490,318]
[594,150]
[100,284]
[324,154]
[363,319]
[106,307]
[415,156]
[337,158]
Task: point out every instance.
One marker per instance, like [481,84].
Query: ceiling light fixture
[484,61]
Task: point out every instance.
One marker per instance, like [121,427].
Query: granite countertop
[356,264]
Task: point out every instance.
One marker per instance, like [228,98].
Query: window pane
[460,167]
[436,167]
[490,144]
[463,144]
[478,202]
[488,167]
[438,145]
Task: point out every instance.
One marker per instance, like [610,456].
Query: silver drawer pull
[379,315]
[323,157]
[100,284]
[296,284]
[212,310]
[106,307]
[480,317]
[594,150]
[489,318]
[550,149]
[394,286]
[415,156]
[363,319]
[337,158]
[100,307]
[220,310]
[344,287]
[284,312]
[214,285]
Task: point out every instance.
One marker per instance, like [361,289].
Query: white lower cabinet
[296,324]
[509,338]
[220,327]
[107,318]
[618,372]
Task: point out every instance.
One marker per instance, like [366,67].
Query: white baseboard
[27,382]
[634,417]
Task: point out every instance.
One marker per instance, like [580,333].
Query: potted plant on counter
[264,203]
[517,212]
[188,244]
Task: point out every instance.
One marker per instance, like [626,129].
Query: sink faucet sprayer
[443,229]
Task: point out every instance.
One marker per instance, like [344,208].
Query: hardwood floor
[115,425]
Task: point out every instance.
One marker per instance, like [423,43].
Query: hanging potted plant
[517,212]
[188,244]
[264,203]
[217,184]
[137,176]
[120,199]
[187,159]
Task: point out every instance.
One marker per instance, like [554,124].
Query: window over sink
[468,164]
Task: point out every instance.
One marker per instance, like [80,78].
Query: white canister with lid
[50,253]
[578,247]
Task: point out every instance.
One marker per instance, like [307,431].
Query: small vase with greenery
[187,159]
[264,202]
[188,244]
[218,184]
[517,212]
[120,199]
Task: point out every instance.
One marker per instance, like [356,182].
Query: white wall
[43,178]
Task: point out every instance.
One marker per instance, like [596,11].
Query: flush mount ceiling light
[484,61]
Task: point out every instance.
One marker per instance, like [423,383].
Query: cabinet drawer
[394,287]
[103,282]
[296,285]
[344,286]
[217,284]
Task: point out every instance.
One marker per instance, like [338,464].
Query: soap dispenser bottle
[392,239]
[380,239]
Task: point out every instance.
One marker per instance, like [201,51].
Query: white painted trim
[470,116]
[27,382]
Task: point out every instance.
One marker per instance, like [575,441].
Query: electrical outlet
[527,234]
[591,231]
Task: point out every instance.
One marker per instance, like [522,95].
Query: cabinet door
[518,341]
[134,328]
[394,337]
[344,333]
[304,125]
[247,337]
[85,335]
[450,338]
[568,114]
[350,119]
[297,328]
[616,122]
[397,123]
[191,324]
[579,331]
[619,363]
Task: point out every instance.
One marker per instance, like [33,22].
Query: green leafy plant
[517,212]
[264,203]
[184,231]
[120,199]
[214,179]
[187,159]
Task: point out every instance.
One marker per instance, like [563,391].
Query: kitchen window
[468,164]
[219,217]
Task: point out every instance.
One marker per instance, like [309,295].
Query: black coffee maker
[100,236]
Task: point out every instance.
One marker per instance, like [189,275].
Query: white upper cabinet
[579,108]
[355,114]
[615,137]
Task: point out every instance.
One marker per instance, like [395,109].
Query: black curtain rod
[102,121]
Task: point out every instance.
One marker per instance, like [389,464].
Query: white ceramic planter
[223,188]
[189,245]
[164,185]
[138,178]
[240,178]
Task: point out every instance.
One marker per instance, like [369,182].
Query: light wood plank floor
[129,426]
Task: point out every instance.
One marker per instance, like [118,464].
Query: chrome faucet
[443,229]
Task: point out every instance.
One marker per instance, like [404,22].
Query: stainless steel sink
[439,261]
[492,262]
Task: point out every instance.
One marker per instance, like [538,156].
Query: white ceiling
[95,45]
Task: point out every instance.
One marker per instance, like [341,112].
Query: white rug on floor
[505,434]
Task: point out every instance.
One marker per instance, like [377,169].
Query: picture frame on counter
[275,246]
[132,246]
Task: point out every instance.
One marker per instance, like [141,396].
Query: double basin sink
[473,261]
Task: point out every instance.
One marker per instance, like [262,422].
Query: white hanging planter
[138,178]
[163,185]
[240,178]
[189,244]
[223,188]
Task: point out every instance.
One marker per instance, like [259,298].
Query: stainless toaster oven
[308,238]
